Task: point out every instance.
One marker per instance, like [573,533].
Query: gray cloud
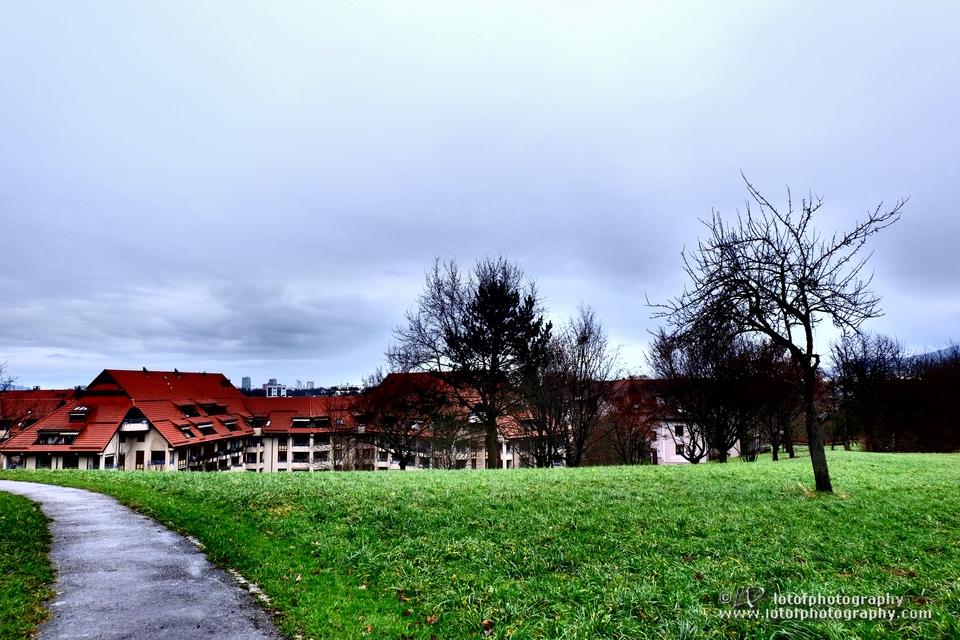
[261,191]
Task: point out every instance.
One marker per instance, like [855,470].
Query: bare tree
[592,366]
[479,332]
[774,274]
[455,440]
[862,363]
[563,401]
[11,406]
[6,380]
[779,406]
[631,420]
[398,409]
[541,409]
[709,382]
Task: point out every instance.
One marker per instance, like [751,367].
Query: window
[79,414]
[158,456]
[321,456]
[108,462]
[301,440]
[680,450]
[206,429]
[321,438]
[678,430]
[187,433]
[214,409]
[301,456]
[189,411]
[57,437]
[231,425]
[300,423]
[141,437]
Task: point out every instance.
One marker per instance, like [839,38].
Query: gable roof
[156,385]
[158,396]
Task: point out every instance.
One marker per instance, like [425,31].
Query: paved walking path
[121,575]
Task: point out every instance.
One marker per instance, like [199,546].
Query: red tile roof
[21,408]
[159,396]
[158,385]
[278,413]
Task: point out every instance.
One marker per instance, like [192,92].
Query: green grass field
[625,552]
[24,568]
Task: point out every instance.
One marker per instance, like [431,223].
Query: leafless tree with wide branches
[772,272]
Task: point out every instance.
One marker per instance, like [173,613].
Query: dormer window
[187,432]
[214,409]
[57,437]
[231,425]
[189,411]
[79,414]
[206,429]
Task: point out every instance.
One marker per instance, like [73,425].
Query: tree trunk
[493,448]
[818,455]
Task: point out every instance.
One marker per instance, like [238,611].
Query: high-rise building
[274,389]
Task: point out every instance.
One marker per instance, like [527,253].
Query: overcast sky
[258,188]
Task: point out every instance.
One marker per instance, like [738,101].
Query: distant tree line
[892,401]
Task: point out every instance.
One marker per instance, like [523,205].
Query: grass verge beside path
[24,568]
[641,552]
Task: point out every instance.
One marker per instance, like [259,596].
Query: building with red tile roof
[170,420]
[139,420]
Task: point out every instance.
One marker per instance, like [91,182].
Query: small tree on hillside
[775,274]
[563,401]
[592,367]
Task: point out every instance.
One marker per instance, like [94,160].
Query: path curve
[122,575]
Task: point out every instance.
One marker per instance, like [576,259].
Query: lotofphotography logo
[755,602]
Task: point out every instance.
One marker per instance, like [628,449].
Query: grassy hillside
[643,552]
[25,570]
